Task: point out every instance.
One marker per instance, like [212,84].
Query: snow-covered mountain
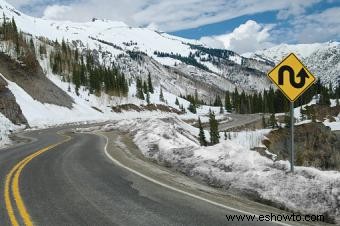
[323,59]
[213,69]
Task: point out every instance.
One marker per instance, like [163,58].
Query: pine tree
[218,101]
[192,108]
[227,103]
[264,124]
[150,86]
[273,122]
[201,134]
[214,134]
[177,102]
[161,96]
[145,87]
[221,110]
[148,98]
[139,89]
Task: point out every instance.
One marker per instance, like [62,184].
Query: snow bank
[235,168]
[6,128]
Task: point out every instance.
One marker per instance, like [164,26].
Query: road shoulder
[122,151]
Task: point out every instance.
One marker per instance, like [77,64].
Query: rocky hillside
[315,144]
[34,82]
[8,105]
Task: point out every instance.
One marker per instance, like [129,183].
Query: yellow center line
[16,171]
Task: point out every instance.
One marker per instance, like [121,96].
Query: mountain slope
[323,59]
[113,39]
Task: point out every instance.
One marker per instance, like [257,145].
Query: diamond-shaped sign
[292,77]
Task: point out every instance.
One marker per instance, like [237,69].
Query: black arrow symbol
[302,75]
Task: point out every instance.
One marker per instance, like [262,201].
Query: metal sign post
[292,137]
[293,79]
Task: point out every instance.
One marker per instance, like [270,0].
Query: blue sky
[240,25]
[268,17]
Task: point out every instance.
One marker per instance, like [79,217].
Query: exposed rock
[315,144]
[323,112]
[34,82]
[8,105]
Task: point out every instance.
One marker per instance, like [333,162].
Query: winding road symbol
[291,77]
[302,75]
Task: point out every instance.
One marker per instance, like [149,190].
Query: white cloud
[168,15]
[318,27]
[53,12]
[248,37]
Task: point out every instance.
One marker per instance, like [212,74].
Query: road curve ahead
[68,180]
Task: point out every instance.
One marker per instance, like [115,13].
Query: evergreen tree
[161,96]
[201,134]
[264,124]
[214,134]
[218,101]
[148,98]
[192,108]
[273,122]
[221,110]
[145,87]
[150,86]
[227,103]
[139,89]
[177,102]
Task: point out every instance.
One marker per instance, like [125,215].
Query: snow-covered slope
[118,33]
[277,53]
[234,167]
[323,59]
[112,39]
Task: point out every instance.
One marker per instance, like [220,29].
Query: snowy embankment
[236,168]
[6,128]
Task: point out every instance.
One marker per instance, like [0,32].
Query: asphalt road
[75,183]
[239,120]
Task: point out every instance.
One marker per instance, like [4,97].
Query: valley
[100,117]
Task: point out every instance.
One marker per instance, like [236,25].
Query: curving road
[74,183]
[238,120]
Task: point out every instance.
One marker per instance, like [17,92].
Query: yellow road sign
[292,77]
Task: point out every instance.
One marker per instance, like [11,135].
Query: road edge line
[176,189]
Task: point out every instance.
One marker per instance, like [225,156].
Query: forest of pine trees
[81,70]
[145,88]
[24,46]
[271,101]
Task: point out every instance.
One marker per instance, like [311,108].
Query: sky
[239,25]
